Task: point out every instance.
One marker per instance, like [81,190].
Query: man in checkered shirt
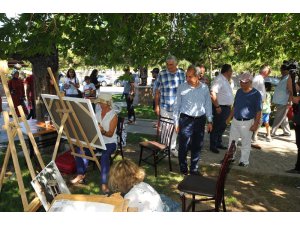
[167,83]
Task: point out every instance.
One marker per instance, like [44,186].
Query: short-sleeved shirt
[281,94]
[70,89]
[247,105]
[267,103]
[222,87]
[259,84]
[145,198]
[167,84]
[87,89]
[127,84]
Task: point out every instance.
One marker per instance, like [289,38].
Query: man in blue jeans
[191,109]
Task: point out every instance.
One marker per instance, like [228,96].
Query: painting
[48,184]
[84,112]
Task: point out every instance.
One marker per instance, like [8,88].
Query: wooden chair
[119,150]
[160,148]
[211,188]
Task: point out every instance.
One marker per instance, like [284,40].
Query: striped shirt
[192,101]
[167,84]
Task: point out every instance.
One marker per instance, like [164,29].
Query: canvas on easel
[70,117]
[13,129]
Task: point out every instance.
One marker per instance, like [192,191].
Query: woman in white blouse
[126,177]
[71,84]
[107,120]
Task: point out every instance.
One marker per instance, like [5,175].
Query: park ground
[263,186]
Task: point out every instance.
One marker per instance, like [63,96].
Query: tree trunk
[42,80]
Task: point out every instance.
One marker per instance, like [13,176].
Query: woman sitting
[107,120]
[126,177]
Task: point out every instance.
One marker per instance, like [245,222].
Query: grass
[244,191]
[141,111]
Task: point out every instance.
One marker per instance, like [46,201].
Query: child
[89,90]
[267,110]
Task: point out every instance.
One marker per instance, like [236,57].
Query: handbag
[290,113]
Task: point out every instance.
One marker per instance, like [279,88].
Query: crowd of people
[194,103]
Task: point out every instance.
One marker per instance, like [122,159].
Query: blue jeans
[191,134]
[219,126]
[82,163]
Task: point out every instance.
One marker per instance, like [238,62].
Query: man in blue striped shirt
[191,109]
[167,83]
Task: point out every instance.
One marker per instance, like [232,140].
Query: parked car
[119,83]
[104,80]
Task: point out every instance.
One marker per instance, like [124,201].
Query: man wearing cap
[282,99]
[245,115]
[167,84]
[222,99]
[259,84]
[192,108]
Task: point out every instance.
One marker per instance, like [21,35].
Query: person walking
[282,99]
[168,82]
[267,110]
[192,107]
[222,99]
[259,84]
[245,116]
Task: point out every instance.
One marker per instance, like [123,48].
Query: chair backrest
[165,131]
[119,132]
[225,168]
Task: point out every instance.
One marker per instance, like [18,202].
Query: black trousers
[297,130]
[190,136]
[219,126]
[130,107]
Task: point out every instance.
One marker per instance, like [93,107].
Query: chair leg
[169,156]
[121,150]
[223,203]
[193,204]
[155,162]
[183,202]
[141,155]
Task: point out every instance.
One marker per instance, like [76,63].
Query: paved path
[274,158]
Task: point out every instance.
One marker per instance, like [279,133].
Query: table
[44,136]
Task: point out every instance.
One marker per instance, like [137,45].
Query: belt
[182,115]
[225,105]
[242,119]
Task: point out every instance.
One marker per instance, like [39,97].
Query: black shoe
[293,171]
[222,147]
[243,164]
[215,150]
[196,173]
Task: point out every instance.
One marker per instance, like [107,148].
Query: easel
[13,129]
[65,110]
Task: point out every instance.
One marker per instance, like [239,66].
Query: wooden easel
[13,129]
[65,110]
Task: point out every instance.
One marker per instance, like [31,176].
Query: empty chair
[155,151]
[211,188]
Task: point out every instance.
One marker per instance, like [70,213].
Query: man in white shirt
[259,84]
[222,99]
